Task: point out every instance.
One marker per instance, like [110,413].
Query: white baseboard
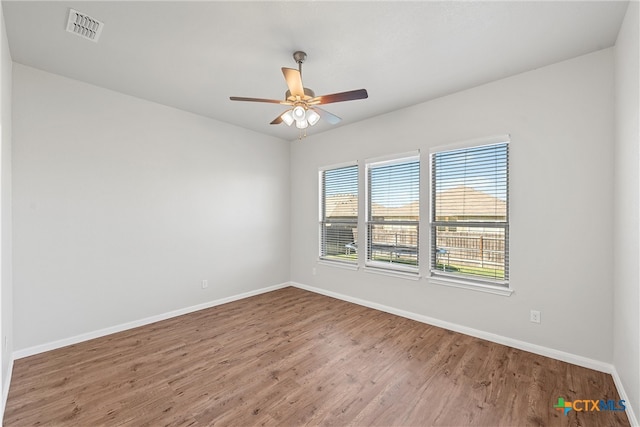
[521,345]
[30,351]
[623,395]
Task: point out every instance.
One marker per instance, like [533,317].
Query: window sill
[474,286]
[392,273]
[344,265]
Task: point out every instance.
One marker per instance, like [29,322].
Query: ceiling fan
[304,111]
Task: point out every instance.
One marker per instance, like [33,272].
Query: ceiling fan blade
[339,97]
[327,116]
[277,120]
[271,101]
[294,81]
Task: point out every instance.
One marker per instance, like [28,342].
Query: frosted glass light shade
[302,124]
[312,117]
[298,113]
[287,117]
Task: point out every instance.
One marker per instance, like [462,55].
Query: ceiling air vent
[84,26]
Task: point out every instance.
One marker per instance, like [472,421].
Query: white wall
[560,119]
[626,320]
[122,207]
[6,289]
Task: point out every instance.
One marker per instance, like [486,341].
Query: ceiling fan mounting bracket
[299,56]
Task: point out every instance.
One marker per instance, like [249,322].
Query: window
[339,214]
[393,205]
[470,213]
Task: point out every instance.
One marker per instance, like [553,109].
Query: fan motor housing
[308,94]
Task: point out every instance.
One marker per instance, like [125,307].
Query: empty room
[287,213]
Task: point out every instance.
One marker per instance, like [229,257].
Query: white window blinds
[470,213]
[393,213]
[339,214]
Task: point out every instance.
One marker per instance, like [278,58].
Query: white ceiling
[194,55]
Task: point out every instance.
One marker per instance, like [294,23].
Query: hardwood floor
[292,357]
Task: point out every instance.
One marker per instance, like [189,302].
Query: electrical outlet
[313,271]
[205,284]
[534,316]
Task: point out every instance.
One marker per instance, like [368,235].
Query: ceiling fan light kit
[304,103]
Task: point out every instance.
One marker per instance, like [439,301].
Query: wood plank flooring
[292,357]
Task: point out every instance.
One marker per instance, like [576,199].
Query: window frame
[383,266]
[474,282]
[322,214]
